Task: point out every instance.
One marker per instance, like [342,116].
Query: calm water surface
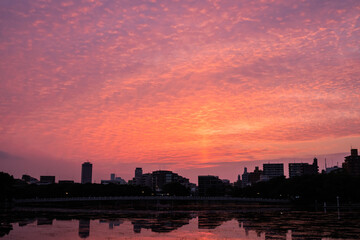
[250,224]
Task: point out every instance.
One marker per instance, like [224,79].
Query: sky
[196,87]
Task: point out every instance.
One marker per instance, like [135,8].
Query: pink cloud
[179,83]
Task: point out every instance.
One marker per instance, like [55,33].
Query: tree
[176,189]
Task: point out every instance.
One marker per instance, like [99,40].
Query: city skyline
[270,170]
[196,87]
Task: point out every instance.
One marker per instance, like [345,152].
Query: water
[229,224]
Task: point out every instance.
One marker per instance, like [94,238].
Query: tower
[86,173]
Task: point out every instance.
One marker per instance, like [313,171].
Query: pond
[254,223]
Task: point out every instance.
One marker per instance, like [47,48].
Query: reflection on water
[84,228]
[250,224]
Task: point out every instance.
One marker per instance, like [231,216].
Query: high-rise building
[245,178]
[86,173]
[272,170]
[299,169]
[352,163]
[138,172]
[138,175]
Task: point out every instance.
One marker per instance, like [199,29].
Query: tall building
[138,172]
[272,170]
[86,173]
[299,169]
[210,185]
[352,163]
[138,175]
[245,178]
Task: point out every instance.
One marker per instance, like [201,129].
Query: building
[210,186]
[47,179]
[29,179]
[331,169]
[146,180]
[112,176]
[162,177]
[245,178]
[157,179]
[238,183]
[273,170]
[66,182]
[352,163]
[138,172]
[254,176]
[114,180]
[300,169]
[84,228]
[138,175]
[86,173]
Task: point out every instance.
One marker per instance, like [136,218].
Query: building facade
[254,176]
[300,169]
[352,163]
[210,185]
[245,178]
[47,179]
[273,170]
[86,173]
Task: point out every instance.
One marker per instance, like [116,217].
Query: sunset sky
[196,87]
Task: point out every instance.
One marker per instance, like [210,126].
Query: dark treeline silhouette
[303,189]
[6,186]
[78,190]
[307,188]
[176,189]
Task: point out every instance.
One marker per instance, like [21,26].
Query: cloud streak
[181,83]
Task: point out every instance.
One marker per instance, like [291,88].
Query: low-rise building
[29,179]
[47,179]
[114,180]
[300,169]
[352,163]
[210,185]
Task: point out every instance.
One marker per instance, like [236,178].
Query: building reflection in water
[285,226]
[26,221]
[84,228]
[112,223]
[268,224]
[44,221]
[210,220]
[162,223]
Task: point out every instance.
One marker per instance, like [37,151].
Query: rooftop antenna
[325,164]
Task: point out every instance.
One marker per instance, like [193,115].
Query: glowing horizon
[183,85]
